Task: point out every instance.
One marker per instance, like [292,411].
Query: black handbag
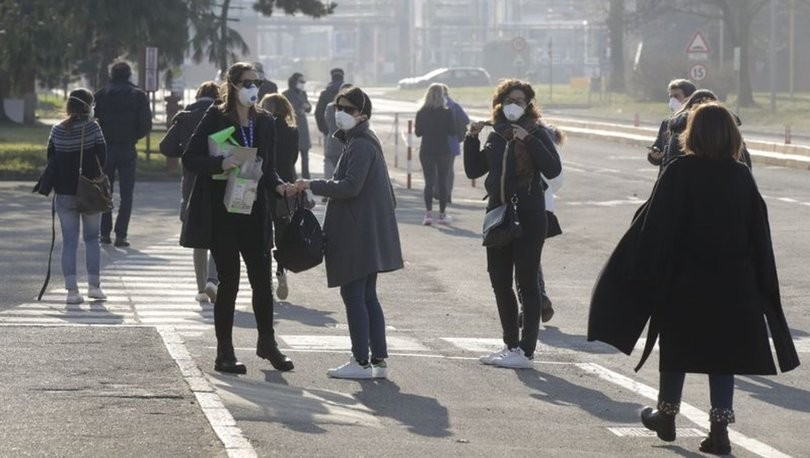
[502,225]
[301,245]
[93,195]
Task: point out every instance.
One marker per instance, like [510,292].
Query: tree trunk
[615,25]
[5,90]
[223,37]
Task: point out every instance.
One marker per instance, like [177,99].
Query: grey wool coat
[362,236]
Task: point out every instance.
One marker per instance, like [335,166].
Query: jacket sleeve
[320,109]
[660,142]
[172,143]
[100,148]
[144,116]
[475,159]
[195,157]
[543,153]
[269,172]
[360,157]
[659,228]
[45,183]
[418,127]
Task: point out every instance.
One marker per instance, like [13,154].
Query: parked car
[453,77]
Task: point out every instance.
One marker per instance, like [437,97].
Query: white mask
[513,111]
[344,120]
[301,86]
[248,95]
[674,104]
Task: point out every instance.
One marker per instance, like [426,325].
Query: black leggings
[522,257]
[234,234]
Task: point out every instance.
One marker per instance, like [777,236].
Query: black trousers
[520,258]
[235,234]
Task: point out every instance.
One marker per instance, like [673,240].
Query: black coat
[489,160]
[123,112]
[435,126]
[206,200]
[697,262]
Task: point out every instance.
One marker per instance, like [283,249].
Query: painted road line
[693,414]
[343,343]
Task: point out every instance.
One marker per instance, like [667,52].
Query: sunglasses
[250,83]
[350,110]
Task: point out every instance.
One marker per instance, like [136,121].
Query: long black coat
[698,262]
[206,200]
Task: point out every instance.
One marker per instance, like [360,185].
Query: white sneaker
[201,297]
[487,359]
[73,297]
[282,290]
[379,370]
[211,291]
[95,292]
[428,219]
[351,370]
[514,359]
[444,218]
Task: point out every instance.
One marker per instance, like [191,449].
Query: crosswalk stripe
[329,342]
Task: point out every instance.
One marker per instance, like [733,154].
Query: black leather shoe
[123,243]
[661,423]
[105,240]
[227,362]
[717,442]
[268,349]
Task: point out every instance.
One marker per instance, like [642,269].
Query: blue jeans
[69,221]
[365,316]
[721,389]
[120,158]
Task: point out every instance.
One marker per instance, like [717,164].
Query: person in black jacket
[435,124]
[208,223]
[286,153]
[326,97]
[76,147]
[124,115]
[297,95]
[679,90]
[172,145]
[698,264]
[514,156]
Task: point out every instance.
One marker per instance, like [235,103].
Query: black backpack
[301,245]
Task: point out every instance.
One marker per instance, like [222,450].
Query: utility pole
[772,56]
[792,48]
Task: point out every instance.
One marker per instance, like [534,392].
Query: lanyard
[248,141]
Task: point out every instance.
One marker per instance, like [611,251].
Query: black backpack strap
[50,254]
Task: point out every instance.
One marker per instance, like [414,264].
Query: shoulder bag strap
[50,254]
[81,151]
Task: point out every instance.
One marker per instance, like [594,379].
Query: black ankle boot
[267,348]
[226,361]
[662,420]
[717,443]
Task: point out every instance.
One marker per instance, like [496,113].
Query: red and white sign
[698,72]
[698,44]
[518,44]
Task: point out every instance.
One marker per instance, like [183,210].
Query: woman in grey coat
[361,232]
[300,102]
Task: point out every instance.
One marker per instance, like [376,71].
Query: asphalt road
[581,399]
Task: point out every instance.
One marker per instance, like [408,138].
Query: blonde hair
[280,107]
[434,96]
[711,133]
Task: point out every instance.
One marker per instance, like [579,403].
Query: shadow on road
[422,415]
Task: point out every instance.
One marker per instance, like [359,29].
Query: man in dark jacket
[267,86]
[124,115]
[327,96]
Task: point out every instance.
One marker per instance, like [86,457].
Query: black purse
[302,243]
[502,225]
[93,195]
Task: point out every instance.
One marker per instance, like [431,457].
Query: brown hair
[78,105]
[279,106]
[503,89]
[711,133]
[208,89]
[228,90]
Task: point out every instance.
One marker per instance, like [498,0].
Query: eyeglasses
[350,110]
[250,83]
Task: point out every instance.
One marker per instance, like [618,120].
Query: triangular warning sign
[698,44]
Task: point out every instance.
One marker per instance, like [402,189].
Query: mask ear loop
[89,107]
